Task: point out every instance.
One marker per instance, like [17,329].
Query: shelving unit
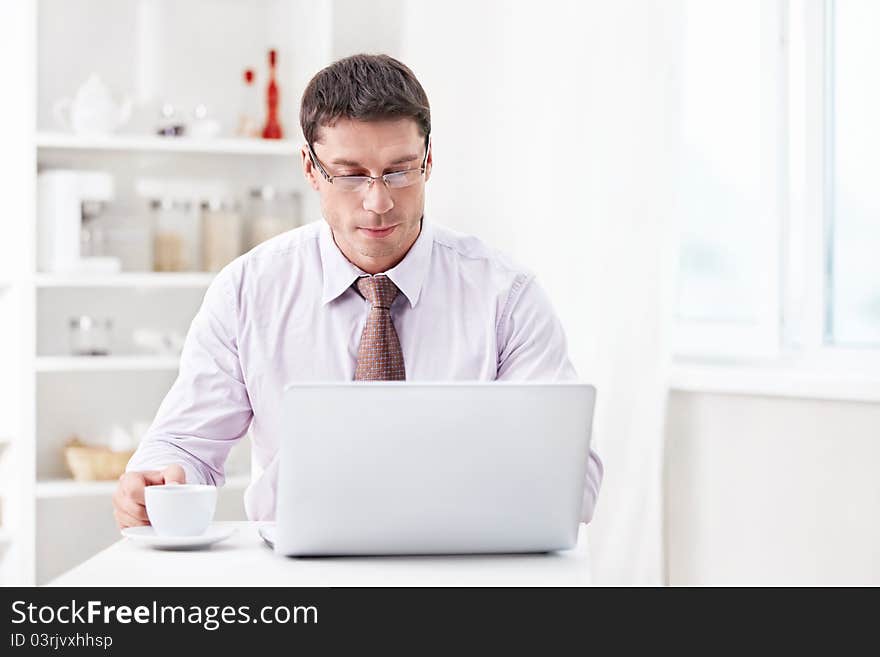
[50,364]
[52,395]
[126,279]
[126,144]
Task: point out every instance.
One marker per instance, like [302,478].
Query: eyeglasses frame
[372,179]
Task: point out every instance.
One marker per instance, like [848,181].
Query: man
[376,291]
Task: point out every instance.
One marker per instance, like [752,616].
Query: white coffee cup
[180,509]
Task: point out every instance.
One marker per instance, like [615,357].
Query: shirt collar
[408,275]
[339,272]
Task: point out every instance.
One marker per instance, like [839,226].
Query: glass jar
[90,336]
[92,235]
[175,235]
[270,213]
[130,239]
[221,233]
[132,244]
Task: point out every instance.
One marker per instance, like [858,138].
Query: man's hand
[128,500]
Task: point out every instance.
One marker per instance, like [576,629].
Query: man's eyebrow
[349,163]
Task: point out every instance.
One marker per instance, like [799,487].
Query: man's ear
[429,163]
[309,171]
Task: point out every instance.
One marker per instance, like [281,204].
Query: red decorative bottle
[272,129]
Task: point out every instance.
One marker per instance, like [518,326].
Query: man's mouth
[377,232]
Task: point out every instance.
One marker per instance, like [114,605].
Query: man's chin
[374,253]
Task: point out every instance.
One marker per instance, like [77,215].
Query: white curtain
[555,133]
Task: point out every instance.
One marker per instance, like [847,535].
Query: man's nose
[377,198]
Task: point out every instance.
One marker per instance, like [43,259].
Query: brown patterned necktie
[379,355]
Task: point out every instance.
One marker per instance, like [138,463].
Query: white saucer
[267,533]
[146,535]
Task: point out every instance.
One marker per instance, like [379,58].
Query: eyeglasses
[393,180]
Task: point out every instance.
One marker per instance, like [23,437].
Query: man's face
[374,228]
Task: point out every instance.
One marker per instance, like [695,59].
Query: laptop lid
[428,468]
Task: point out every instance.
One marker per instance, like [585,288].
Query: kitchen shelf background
[161,280]
[59,141]
[160,309]
[145,50]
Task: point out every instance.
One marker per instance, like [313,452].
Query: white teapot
[93,110]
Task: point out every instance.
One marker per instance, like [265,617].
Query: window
[780,251]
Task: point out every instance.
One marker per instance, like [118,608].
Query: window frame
[795,332]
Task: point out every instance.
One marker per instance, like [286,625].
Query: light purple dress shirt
[286,311]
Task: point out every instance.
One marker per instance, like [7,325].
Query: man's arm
[207,409]
[533,348]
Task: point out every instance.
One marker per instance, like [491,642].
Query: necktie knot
[379,290]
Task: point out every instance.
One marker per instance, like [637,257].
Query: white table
[245,560]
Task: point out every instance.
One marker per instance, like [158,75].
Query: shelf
[61,488]
[106,363]
[48,141]
[194,280]
[55,488]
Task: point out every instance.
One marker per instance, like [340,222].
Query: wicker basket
[91,463]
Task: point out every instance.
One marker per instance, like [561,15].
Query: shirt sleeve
[533,347]
[207,410]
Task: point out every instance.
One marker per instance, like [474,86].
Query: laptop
[407,468]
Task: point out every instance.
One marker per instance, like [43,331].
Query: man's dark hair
[364,88]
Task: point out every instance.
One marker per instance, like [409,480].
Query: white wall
[366,27]
[772,491]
